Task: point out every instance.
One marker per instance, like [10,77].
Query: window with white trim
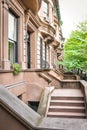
[46,8]
[43,54]
[12,38]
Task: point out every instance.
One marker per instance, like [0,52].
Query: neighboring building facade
[48,36]
[30,36]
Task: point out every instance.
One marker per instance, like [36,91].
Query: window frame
[15,40]
[46,11]
[41,52]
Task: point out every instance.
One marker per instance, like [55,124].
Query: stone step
[67,93]
[66,98]
[66,115]
[67,103]
[77,109]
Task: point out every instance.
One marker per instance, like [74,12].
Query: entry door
[28,49]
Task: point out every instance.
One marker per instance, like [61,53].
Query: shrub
[16,68]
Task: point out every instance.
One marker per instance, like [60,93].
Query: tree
[75,49]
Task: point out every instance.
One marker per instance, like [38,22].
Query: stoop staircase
[66,103]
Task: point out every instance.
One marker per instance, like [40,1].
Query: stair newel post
[48,103]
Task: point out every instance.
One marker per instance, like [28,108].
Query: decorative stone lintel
[5,2]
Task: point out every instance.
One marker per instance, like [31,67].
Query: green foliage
[75,49]
[16,68]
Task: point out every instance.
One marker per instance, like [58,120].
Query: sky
[72,12]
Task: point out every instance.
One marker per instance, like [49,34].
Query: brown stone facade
[29,36]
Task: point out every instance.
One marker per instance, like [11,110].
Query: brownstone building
[29,36]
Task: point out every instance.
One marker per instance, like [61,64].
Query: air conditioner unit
[47,19]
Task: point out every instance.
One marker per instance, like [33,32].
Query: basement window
[33,104]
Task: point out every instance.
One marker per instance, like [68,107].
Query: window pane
[12,21]
[45,8]
[11,47]
[12,38]
[41,52]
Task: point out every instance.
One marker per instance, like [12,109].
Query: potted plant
[16,68]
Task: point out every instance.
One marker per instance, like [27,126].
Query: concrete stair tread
[67,92]
[66,114]
[67,101]
[67,107]
[66,98]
